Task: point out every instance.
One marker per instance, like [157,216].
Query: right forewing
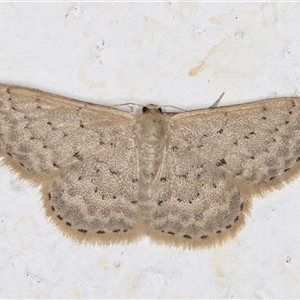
[42,132]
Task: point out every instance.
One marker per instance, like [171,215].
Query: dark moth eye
[145,108]
[160,110]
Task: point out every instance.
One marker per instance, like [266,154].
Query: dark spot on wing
[221,162]
[186,236]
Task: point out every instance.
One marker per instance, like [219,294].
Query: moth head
[152,109]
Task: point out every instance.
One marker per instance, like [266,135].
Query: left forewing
[258,143]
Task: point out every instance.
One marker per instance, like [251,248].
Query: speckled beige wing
[215,161]
[83,155]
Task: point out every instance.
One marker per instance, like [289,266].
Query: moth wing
[215,161]
[257,143]
[84,156]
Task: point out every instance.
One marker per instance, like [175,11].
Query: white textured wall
[183,54]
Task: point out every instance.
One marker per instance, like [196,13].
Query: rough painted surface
[177,54]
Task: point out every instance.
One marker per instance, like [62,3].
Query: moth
[183,179]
